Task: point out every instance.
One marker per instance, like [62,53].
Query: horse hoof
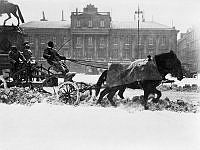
[97,103]
[155,100]
[122,97]
[146,107]
[114,105]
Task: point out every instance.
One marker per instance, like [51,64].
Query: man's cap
[13,47]
[26,42]
[50,44]
[27,46]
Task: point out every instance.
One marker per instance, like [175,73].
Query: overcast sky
[183,13]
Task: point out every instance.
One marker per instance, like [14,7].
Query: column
[95,47]
[107,48]
[83,49]
[36,49]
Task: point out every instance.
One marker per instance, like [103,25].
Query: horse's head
[169,63]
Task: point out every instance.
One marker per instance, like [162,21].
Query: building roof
[115,25]
[143,25]
[46,24]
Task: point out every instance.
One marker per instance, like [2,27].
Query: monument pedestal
[9,35]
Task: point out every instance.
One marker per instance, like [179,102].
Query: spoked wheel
[68,93]
[82,86]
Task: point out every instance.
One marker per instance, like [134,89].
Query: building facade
[38,33]
[94,36]
[189,49]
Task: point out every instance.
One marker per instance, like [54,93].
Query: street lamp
[138,12]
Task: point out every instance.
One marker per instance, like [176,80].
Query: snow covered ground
[62,127]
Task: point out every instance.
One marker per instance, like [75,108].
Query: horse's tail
[20,14]
[101,80]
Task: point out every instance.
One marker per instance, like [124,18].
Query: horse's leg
[155,100]
[9,16]
[4,81]
[102,94]
[111,95]
[15,14]
[147,87]
[146,94]
[121,91]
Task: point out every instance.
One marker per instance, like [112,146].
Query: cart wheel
[68,93]
[82,86]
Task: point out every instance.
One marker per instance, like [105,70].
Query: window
[78,41]
[101,53]
[115,40]
[150,41]
[89,53]
[31,40]
[128,41]
[102,23]
[90,23]
[66,42]
[77,53]
[114,54]
[42,40]
[78,23]
[54,40]
[126,53]
[90,43]
[102,42]
[163,40]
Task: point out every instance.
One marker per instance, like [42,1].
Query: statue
[10,8]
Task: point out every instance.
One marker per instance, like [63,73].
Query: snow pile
[23,96]
[51,125]
[28,97]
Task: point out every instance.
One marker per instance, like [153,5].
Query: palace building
[94,36]
[189,50]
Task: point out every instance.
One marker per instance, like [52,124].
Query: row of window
[90,23]
[90,41]
[114,54]
[115,41]
[128,41]
[151,40]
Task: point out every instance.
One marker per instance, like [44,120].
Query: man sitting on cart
[15,57]
[54,59]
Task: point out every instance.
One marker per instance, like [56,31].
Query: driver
[54,59]
[15,57]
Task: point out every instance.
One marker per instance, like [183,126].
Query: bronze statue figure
[10,8]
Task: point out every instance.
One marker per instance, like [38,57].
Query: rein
[89,63]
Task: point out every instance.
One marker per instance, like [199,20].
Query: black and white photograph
[99,75]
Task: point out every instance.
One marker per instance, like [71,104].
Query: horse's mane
[161,59]
[162,56]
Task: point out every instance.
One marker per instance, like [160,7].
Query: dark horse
[166,63]
[9,9]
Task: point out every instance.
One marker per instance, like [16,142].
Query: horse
[10,8]
[165,63]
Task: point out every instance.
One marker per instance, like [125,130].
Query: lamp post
[138,12]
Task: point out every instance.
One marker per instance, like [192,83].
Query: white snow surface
[62,127]
[51,127]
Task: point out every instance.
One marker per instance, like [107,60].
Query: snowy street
[44,126]
[48,127]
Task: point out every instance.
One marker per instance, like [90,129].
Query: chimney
[63,16]
[43,17]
